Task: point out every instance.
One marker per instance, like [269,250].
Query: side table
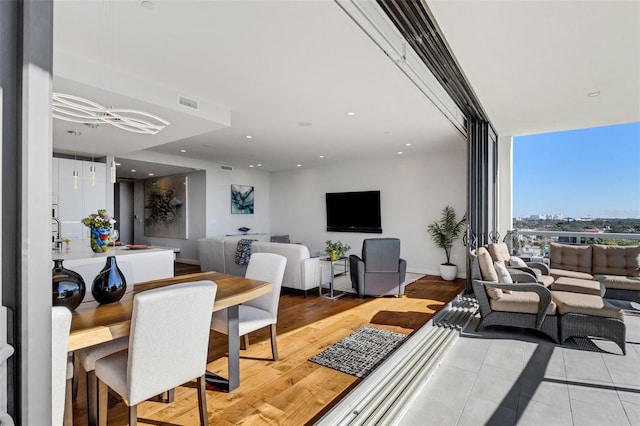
[333,293]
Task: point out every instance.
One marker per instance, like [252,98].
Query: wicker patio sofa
[527,303]
[617,268]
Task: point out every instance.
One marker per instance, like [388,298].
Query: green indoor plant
[444,232]
[336,250]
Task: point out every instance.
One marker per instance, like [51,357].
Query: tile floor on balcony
[502,376]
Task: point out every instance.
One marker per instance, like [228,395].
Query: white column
[505,184]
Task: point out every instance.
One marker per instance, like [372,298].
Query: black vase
[109,285]
[68,286]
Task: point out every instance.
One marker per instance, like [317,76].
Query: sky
[579,173]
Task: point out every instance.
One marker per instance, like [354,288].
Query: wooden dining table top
[92,323]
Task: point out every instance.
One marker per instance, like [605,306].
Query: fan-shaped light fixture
[80,110]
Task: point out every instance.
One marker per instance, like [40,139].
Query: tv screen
[354,212]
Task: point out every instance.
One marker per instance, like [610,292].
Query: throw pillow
[494,293]
[503,274]
[517,262]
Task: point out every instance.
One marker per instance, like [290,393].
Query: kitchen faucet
[58,240]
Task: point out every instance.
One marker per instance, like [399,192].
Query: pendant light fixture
[74,175]
[113,171]
[92,172]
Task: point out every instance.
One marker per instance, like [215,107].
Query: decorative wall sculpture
[241,199]
[165,207]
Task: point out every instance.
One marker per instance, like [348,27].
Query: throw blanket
[243,251]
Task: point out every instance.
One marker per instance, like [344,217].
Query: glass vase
[100,240]
[68,286]
[109,285]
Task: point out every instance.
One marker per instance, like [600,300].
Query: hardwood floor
[293,390]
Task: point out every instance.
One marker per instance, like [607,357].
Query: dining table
[93,323]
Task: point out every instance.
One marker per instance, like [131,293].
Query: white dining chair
[61,368]
[168,345]
[86,358]
[261,311]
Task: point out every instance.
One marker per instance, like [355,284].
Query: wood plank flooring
[293,390]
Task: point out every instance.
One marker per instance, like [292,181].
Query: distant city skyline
[585,173]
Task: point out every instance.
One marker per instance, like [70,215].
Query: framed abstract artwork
[241,199]
[165,207]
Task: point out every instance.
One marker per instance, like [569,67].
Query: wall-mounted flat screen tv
[354,212]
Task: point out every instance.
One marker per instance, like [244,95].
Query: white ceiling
[533,63]
[263,67]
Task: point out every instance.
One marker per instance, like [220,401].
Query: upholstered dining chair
[87,357]
[261,311]
[380,271]
[168,345]
[61,368]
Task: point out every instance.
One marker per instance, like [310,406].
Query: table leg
[233,339]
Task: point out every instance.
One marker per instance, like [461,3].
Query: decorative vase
[448,272]
[100,240]
[334,255]
[109,285]
[68,286]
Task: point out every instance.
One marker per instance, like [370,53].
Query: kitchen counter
[148,264]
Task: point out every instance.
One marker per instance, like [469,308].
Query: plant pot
[100,240]
[448,272]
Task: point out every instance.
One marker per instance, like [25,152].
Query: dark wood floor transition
[291,391]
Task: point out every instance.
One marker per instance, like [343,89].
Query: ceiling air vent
[223,167]
[187,102]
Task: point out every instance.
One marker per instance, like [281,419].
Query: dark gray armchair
[380,272]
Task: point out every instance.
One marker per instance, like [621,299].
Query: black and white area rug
[360,352]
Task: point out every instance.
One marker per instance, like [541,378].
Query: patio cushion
[586,304]
[578,286]
[499,252]
[545,280]
[558,273]
[493,293]
[520,301]
[486,265]
[570,257]
[619,282]
[503,274]
[516,261]
[615,260]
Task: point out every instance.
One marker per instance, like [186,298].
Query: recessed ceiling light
[593,94]
[299,165]
[150,174]
[133,170]
[322,156]
[259,165]
[400,152]
[249,136]
[183,150]
[250,165]
[351,114]
[407,144]
[148,5]
[118,164]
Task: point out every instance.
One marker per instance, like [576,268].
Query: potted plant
[336,250]
[444,232]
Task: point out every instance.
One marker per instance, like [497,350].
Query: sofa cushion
[515,261]
[301,272]
[524,302]
[493,293]
[578,286]
[619,282]
[486,265]
[499,252]
[570,257]
[558,273]
[586,304]
[545,280]
[616,260]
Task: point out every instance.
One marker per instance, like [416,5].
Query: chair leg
[68,405]
[245,342]
[202,401]
[274,343]
[92,398]
[168,396]
[133,415]
[103,395]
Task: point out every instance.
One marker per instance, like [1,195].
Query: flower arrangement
[100,225]
[336,250]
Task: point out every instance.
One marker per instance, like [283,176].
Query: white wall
[505,184]
[214,196]
[414,190]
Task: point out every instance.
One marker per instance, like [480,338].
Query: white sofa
[219,254]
